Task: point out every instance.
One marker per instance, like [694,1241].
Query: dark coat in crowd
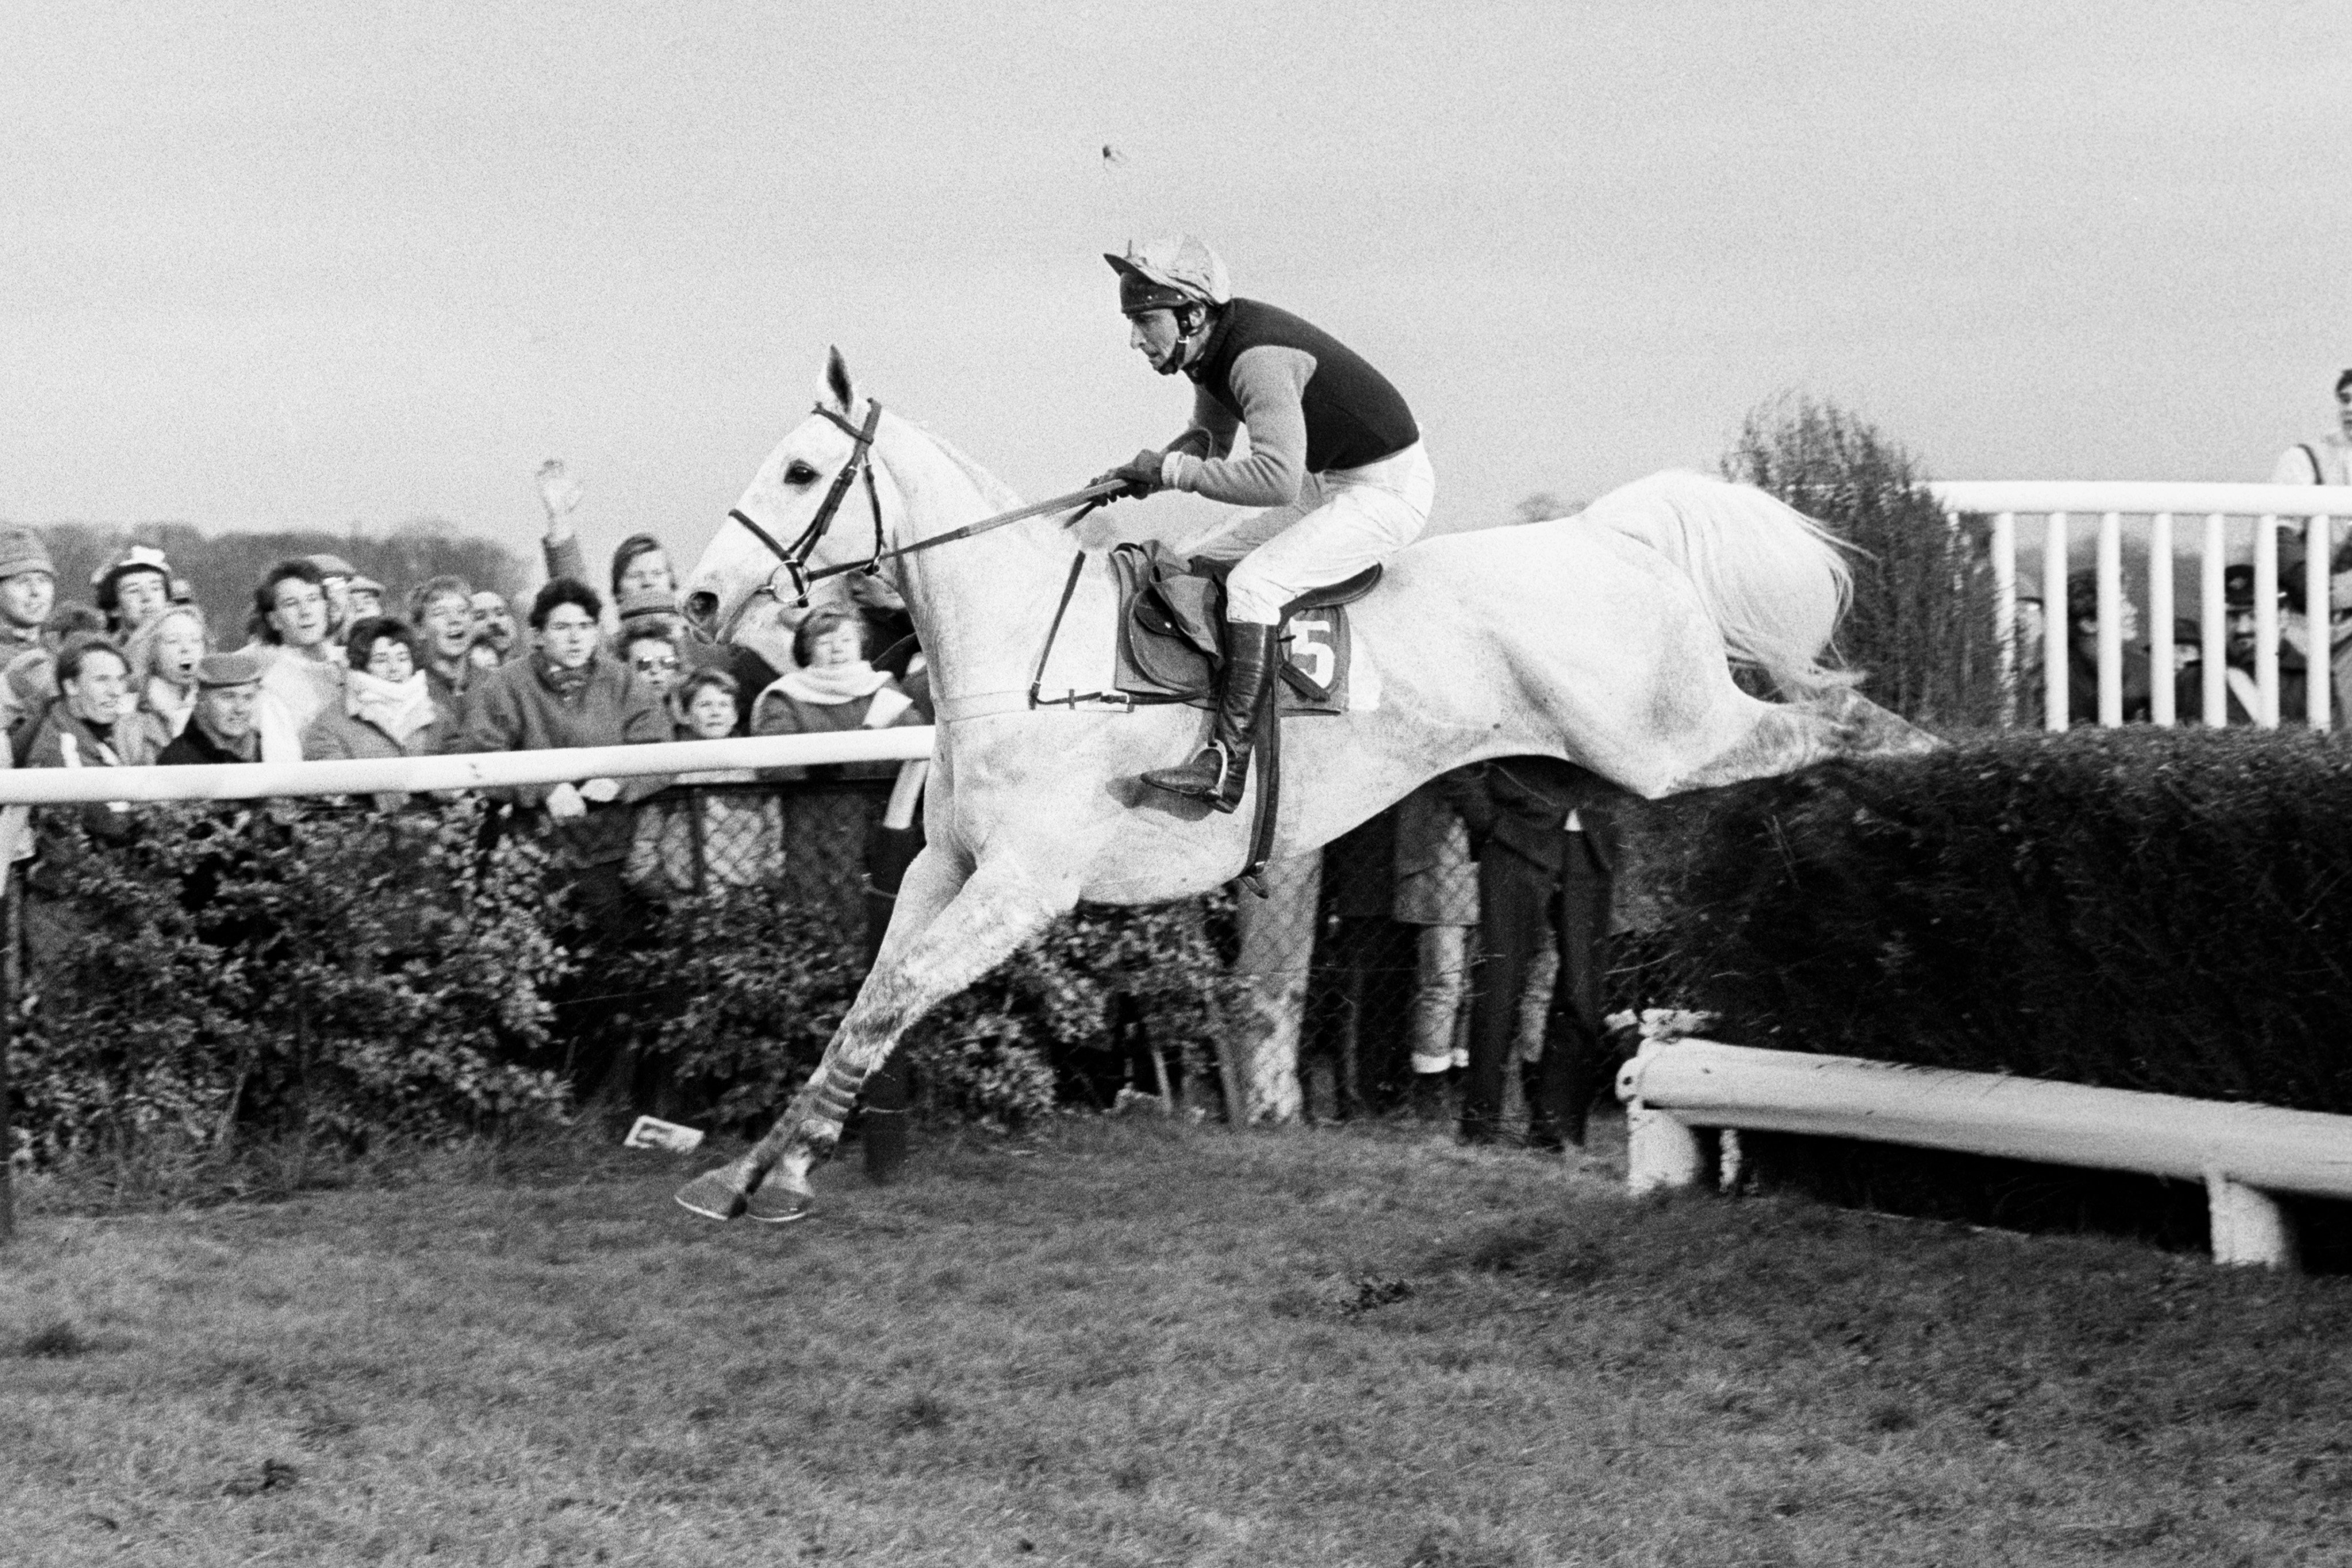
[1533,873]
[528,705]
[194,747]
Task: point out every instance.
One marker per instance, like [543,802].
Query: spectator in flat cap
[222,728]
[29,591]
[366,597]
[29,594]
[132,590]
[164,654]
[2242,697]
[301,671]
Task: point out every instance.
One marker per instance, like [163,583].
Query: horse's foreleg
[1000,907]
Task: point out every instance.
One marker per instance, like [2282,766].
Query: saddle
[1172,615]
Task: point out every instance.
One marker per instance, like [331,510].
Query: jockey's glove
[1140,474]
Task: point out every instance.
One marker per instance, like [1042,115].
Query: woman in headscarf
[826,821]
[387,708]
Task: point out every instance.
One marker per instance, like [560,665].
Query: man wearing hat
[1334,459]
[222,729]
[133,589]
[28,592]
[2242,695]
[364,598]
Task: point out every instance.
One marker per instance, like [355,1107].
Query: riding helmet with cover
[1169,274]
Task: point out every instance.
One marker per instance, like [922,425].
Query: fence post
[2249,1226]
[11,942]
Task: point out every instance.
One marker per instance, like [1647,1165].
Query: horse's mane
[992,490]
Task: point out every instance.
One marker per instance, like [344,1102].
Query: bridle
[795,556]
[793,573]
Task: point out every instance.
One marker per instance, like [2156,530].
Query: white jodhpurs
[1342,522]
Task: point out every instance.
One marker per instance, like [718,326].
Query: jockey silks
[1354,417]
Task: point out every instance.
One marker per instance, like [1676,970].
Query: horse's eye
[800,474]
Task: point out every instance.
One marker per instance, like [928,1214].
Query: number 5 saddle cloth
[1170,615]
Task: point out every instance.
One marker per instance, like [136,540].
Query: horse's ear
[836,379]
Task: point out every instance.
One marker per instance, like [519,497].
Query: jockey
[1335,457]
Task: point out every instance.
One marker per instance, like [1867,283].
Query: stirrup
[1185,779]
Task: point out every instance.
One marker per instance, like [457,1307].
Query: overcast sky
[279,265]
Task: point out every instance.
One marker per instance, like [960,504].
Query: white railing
[462,770]
[2243,1153]
[2162,506]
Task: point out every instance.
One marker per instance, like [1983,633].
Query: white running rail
[2161,509]
[2243,1153]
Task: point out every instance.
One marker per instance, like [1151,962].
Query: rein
[794,557]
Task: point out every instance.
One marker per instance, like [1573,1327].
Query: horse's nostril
[702,607]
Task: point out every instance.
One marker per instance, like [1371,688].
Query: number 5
[1313,656]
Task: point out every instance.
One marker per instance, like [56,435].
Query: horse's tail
[1774,581]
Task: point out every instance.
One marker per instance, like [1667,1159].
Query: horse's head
[800,511]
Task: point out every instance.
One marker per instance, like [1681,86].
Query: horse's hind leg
[979,927]
[1837,723]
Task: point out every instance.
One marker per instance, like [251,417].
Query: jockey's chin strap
[793,573]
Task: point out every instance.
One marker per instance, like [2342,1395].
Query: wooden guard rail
[2243,1154]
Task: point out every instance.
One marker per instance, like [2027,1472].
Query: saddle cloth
[1169,616]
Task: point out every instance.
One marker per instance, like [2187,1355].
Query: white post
[2249,1226]
[2315,622]
[1660,1151]
[2111,619]
[2213,627]
[2055,628]
[2004,610]
[2267,622]
[2160,705]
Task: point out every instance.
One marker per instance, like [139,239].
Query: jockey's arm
[1210,434]
[1269,383]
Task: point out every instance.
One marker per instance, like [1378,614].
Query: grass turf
[1139,1341]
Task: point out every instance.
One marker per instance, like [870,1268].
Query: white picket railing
[2159,506]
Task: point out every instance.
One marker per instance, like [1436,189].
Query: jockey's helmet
[1168,274]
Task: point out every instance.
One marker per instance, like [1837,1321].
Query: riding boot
[1220,771]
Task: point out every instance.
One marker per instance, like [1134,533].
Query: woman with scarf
[164,655]
[301,669]
[826,821]
[387,708]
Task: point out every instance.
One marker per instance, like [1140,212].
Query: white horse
[1600,639]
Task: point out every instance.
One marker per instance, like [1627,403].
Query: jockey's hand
[564,804]
[1140,474]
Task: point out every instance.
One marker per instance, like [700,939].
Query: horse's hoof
[713,1196]
[782,1198]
